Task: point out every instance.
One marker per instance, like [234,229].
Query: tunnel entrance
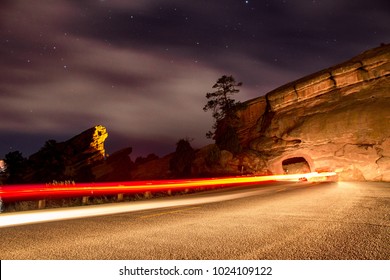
[296,165]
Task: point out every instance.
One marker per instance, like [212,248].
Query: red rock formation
[337,119]
[87,147]
[249,120]
[72,159]
[116,167]
[153,169]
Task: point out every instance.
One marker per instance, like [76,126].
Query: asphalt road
[276,221]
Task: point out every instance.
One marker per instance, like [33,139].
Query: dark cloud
[142,68]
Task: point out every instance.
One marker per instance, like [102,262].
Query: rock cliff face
[72,159]
[157,168]
[337,119]
[116,167]
[87,147]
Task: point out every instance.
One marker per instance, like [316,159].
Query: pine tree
[221,103]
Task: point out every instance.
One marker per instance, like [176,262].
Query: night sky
[142,68]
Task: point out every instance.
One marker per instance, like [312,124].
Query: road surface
[276,221]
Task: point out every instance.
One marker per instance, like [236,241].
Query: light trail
[41,191]
[44,191]
[59,214]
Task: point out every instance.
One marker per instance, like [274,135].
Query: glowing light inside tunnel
[31,192]
[295,165]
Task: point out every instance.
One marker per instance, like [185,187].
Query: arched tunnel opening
[295,165]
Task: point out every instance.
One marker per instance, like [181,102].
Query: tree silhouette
[16,167]
[220,101]
[181,162]
[49,165]
[224,112]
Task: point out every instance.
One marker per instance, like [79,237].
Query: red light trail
[42,191]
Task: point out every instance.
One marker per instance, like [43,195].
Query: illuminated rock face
[72,159]
[249,127]
[337,119]
[86,148]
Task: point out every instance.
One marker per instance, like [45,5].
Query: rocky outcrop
[157,168]
[369,66]
[337,119]
[250,118]
[116,167]
[69,160]
[86,148]
[81,159]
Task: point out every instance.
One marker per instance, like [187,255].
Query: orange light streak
[41,191]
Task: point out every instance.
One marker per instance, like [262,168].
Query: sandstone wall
[337,119]
[369,66]
[248,127]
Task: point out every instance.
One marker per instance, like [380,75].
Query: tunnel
[295,165]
